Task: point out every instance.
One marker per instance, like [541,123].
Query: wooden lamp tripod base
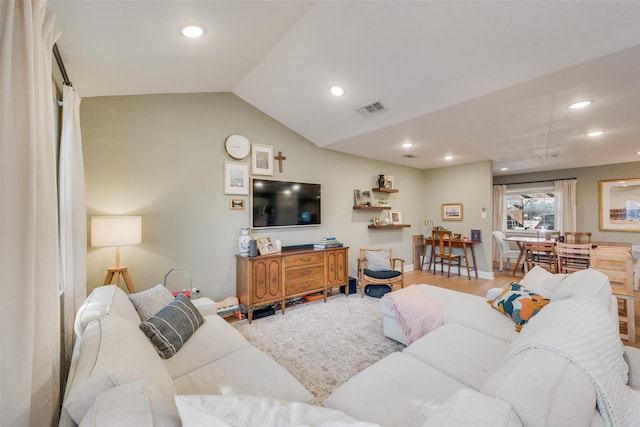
[113,274]
[113,277]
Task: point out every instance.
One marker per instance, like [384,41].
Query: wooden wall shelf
[372,208]
[385,190]
[389,227]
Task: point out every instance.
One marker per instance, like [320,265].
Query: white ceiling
[480,80]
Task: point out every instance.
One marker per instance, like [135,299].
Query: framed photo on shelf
[452,212]
[396,217]
[236,178]
[236,204]
[362,197]
[620,204]
[261,159]
[376,221]
[266,246]
[388,182]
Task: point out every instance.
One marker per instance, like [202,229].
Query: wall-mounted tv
[284,203]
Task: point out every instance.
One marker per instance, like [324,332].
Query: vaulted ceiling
[476,80]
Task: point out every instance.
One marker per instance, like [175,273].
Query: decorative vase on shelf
[243,241]
[380,181]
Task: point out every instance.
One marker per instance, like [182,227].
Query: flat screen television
[284,203]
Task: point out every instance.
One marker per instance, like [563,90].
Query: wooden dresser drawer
[303,259]
[304,272]
[304,286]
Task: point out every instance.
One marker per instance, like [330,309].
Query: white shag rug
[323,345]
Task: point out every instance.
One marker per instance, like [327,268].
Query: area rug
[323,345]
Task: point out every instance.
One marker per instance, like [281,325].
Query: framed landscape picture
[362,197]
[620,204]
[236,178]
[452,211]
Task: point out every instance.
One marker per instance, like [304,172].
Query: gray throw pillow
[172,326]
[378,260]
[151,301]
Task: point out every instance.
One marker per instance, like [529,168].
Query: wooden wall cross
[280,158]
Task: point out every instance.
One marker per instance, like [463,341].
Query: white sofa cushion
[102,301]
[79,402]
[589,282]
[215,339]
[150,301]
[114,346]
[244,410]
[541,281]
[464,354]
[134,404]
[466,309]
[469,408]
[544,389]
[246,371]
[398,390]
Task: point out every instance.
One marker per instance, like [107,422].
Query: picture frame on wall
[261,159]
[452,212]
[236,178]
[237,204]
[395,217]
[620,204]
[266,245]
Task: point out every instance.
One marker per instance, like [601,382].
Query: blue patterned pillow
[172,326]
[519,304]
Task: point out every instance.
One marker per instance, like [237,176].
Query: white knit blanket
[582,331]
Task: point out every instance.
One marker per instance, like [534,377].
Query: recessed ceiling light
[192,31]
[407,145]
[449,157]
[337,91]
[579,105]
[504,169]
[595,132]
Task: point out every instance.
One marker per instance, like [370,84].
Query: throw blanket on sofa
[416,312]
[583,332]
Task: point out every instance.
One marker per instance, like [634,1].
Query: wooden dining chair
[542,254]
[617,264]
[573,257]
[443,251]
[577,237]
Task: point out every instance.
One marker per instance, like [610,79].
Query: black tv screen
[284,203]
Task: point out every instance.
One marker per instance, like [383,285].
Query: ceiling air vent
[372,109]
[408,156]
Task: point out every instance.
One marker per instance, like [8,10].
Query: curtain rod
[537,182]
[63,71]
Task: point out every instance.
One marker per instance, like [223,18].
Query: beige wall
[588,188]
[470,185]
[161,157]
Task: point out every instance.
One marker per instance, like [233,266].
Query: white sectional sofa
[477,370]
[117,377]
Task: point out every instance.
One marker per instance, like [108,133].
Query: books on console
[328,242]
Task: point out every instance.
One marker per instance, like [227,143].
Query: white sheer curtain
[566,205]
[499,213]
[73,216]
[29,307]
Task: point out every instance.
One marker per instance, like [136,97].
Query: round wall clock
[237,146]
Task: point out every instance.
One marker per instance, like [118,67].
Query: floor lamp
[116,231]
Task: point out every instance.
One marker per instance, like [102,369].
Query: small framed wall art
[236,178]
[261,159]
[452,212]
[236,204]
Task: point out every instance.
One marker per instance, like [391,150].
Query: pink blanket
[416,312]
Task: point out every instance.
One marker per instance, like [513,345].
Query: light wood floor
[481,286]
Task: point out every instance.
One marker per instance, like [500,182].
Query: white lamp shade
[116,230]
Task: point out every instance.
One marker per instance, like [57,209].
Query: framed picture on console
[266,245]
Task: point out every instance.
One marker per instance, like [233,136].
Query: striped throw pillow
[172,326]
